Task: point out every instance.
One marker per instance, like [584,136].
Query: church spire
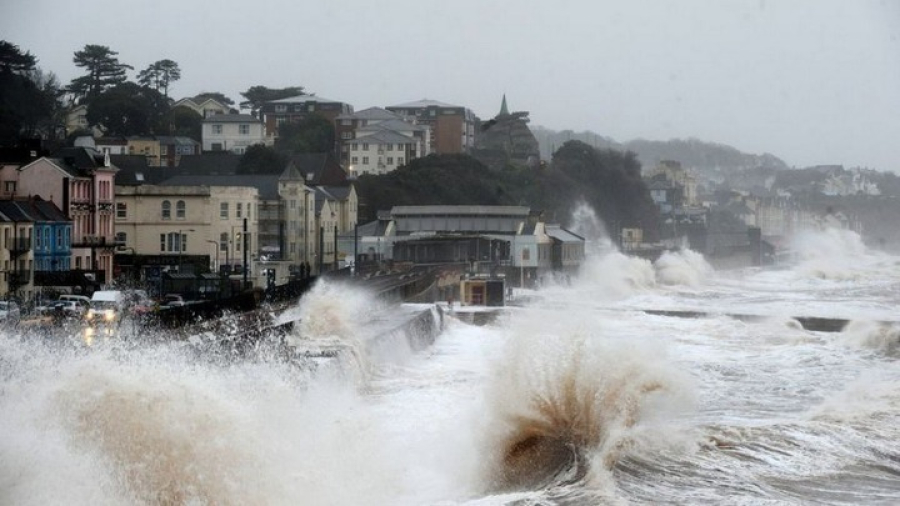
[504,111]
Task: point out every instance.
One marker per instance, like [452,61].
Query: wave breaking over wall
[566,405]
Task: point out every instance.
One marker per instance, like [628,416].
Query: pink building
[80,181]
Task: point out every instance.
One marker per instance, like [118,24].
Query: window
[121,238]
[37,240]
[9,186]
[239,210]
[365,160]
[346,135]
[121,210]
[293,204]
[281,108]
[244,129]
[163,150]
[390,160]
[223,210]
[180,208]
[298,108]
[346,122]
[166,210]
[365,146]
[172,242]
[354,147]
[399,160]
[217,129]
[354,160]
[223,241]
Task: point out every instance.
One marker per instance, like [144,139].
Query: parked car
[71,308]
[9,311]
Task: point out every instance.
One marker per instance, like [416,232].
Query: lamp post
[215,265]
[181,241]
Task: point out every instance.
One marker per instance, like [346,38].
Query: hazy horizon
[812,82]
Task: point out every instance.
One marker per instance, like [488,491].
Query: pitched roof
[134,171]
[392,124]
[385,137]
[80,161]
[319,169]
[265,184]
[33,209]
[372,113]
[302,99]
[423,103]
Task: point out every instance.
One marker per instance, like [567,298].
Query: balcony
[94,241]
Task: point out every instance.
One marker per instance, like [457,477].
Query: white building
[232,132]
[206,107]
[381,152]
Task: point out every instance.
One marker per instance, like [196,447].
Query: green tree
[256,96]
[159,75]
[608,180]
[215,95]
[128,109]
[259,159]
[29,99]
[313,134]
[182,121]
[13,60]
[103,71]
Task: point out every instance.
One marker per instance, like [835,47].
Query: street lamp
[215,265]
[181,241]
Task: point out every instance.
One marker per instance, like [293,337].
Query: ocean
[584,392]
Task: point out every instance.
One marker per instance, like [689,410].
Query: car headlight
[109,315]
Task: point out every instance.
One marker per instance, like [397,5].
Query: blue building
[38,238]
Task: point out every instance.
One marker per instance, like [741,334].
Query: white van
[107,306]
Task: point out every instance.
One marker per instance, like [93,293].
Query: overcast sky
[811,81]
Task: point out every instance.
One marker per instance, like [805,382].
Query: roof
[322,166]
[372,113]
[79,161]
[384,137]
[339,192]
[34,209]
[557,232]
[134,171]
[460,210]
[422,104]
[209,164]
[302,99]
[111,141]
[176,140]
[231,118]
[394,124]
[265,184]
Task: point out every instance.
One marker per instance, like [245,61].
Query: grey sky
[811,81]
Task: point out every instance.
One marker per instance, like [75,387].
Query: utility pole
[246,242]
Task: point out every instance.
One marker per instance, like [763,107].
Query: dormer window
[281,108]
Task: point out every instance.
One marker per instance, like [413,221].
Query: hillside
[717,161]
